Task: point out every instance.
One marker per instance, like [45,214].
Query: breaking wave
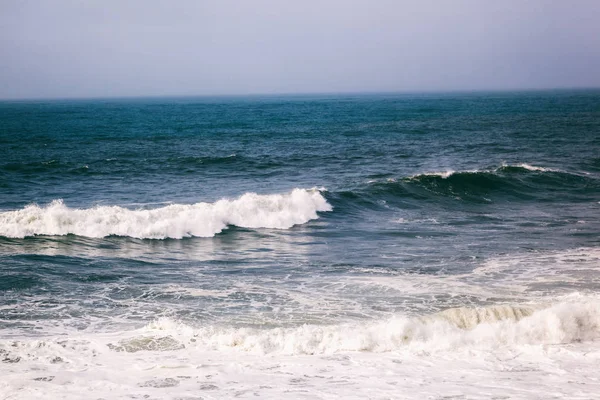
[575,319]
[488,327]
[251,210]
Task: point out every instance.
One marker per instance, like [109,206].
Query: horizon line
[291,94]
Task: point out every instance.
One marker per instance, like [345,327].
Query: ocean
[381,246]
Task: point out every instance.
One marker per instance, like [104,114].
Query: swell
[278,211]
[521,182]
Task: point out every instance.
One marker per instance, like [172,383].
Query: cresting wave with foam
[514,182]
[568,321]
[514,175]
[251,210]
[574,319]
[502,168]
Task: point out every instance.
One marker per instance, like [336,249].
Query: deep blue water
[432,184]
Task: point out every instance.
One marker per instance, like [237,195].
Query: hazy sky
[78,48]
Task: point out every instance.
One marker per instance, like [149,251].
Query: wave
[504,168]
[251,210]
[522,167]
[569,321]
[521,181]
[574,319]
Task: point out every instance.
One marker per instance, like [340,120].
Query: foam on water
[531,167]
[574,318]
[412,355]
[526,337]
[279,211]
[540,273]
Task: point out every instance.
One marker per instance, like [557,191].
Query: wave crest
[574,319]
[485,327]
[507,168]
[520,181]
[251,210]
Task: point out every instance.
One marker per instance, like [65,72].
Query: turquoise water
[272,213]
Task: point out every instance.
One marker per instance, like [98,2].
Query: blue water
[400,186]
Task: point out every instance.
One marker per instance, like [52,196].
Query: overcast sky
[79,48]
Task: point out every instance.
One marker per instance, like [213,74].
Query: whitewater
[278,211]
[513,350]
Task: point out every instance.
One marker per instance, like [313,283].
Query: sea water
[406,246]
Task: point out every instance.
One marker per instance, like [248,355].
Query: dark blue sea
[306,246]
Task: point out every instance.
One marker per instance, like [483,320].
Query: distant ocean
[416,246]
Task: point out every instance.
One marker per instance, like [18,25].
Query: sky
[111,48]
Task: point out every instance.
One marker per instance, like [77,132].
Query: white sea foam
[531,167]
[539,273]
[446,174]
[278,211]
[492,351]
[575,319]
[442,174]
